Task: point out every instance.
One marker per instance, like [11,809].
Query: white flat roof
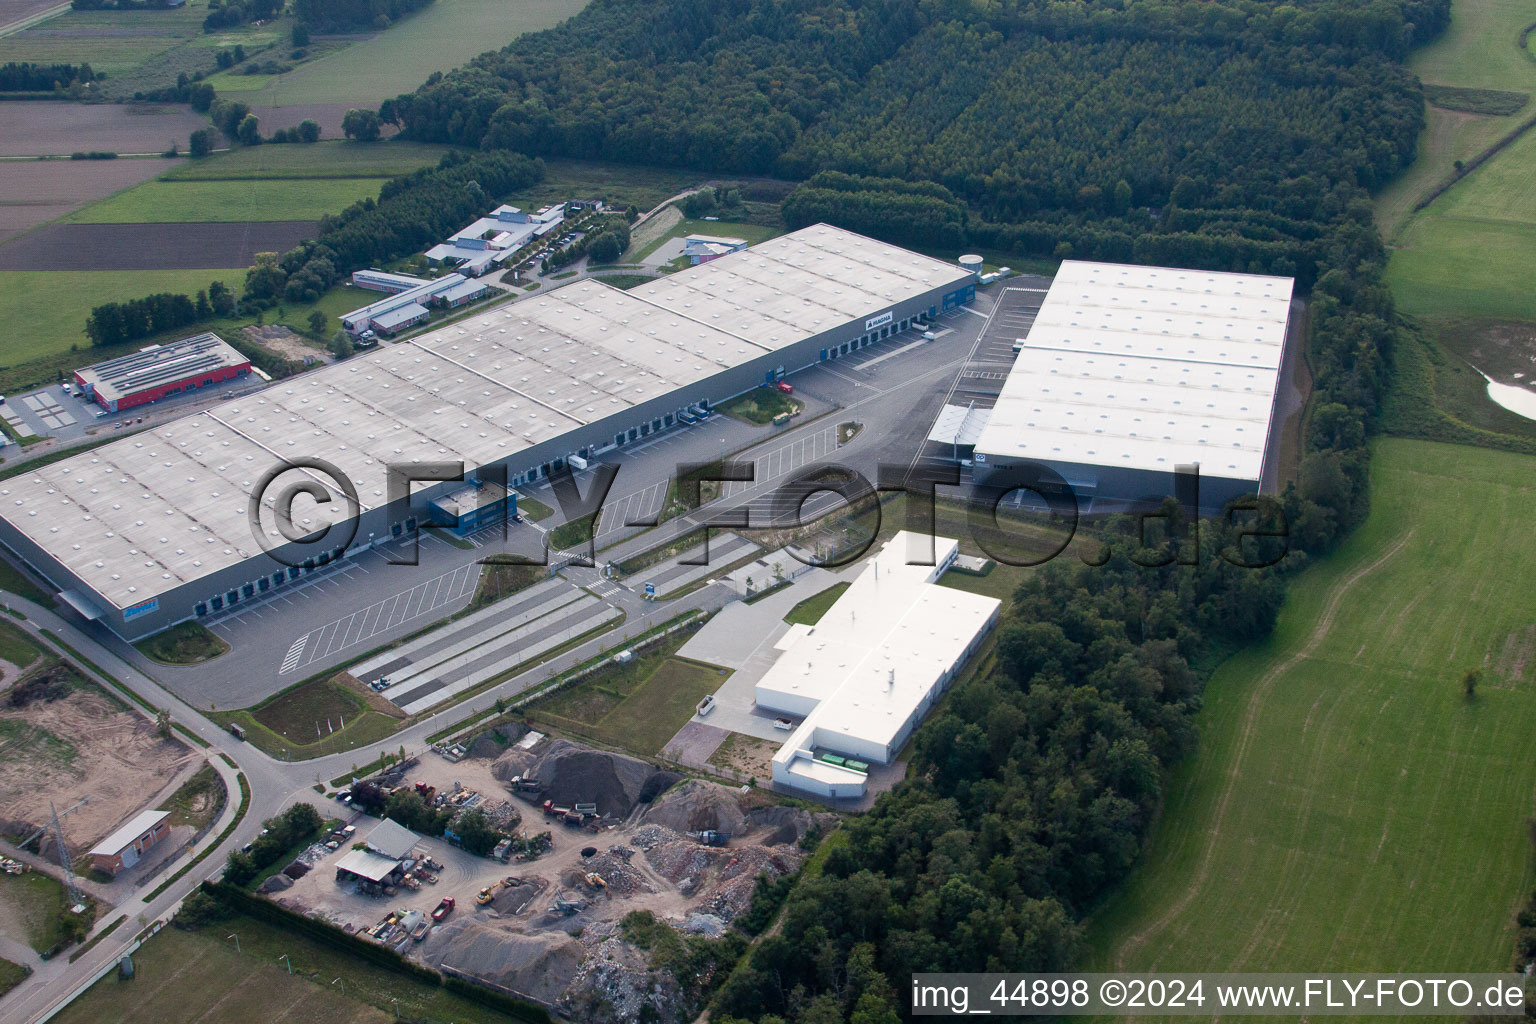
[1146,368]
[134,827]
[879,652]
[148,513]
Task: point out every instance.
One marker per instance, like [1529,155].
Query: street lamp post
[287,961]
[237,941]
[343,985]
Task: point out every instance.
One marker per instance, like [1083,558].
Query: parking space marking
[360,626]
[294,653]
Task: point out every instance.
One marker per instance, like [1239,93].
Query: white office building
[864,676]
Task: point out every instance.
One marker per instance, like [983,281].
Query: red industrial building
[123,848]
[156,371]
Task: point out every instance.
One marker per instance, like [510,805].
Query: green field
[34,901]
[198,976]
[638,706]
[110,41]
[327,159]
[44,310]
[1479,49]
[318,717]
[439,38]
[11,975]
[1467,253]
[1349,807]
[621,184]
[1470,252]
[17,647]
[230,201]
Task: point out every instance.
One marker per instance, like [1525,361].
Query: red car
[443,909]
[786,387]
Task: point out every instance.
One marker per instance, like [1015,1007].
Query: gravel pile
[575,774]
[697,805]
[541,965]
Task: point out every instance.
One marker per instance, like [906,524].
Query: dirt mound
[277,883]
[486,746]
[572,773]
[785,824]
[697,805]
[540,966]
[512,763]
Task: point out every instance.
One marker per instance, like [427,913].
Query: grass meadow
[45,310]
[110,41]
[1468,253]
[330,159]
[182,201]
[439,38]
[1471,251]
[184,976]
[1349,806]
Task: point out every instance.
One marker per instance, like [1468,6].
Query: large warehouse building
[865,675]
[1129,372]
[153,529]
[156,371]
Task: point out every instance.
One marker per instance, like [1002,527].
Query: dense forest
[1228,134]
[344,15]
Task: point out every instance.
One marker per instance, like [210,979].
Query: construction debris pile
[618,877]
[616,983]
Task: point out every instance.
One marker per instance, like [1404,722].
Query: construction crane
[75,895]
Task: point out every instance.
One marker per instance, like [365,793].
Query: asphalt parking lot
[70,417]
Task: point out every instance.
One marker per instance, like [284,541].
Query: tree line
[29,77]
[341,15]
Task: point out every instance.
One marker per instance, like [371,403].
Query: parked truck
[711,837]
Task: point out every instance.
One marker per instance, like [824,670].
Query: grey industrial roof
[400,281]
[389,838]
[403,315]
[468,288]
[148,513]
[1146,368]
[158,365]
[377,310]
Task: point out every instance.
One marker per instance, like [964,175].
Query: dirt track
[118,761]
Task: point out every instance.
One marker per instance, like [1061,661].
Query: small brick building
[123,848]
